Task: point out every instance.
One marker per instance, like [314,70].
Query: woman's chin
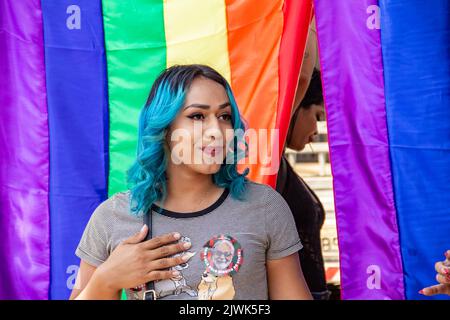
[297,147]
[205,168]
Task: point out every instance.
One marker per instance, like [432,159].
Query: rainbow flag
[74,75]
[386,76]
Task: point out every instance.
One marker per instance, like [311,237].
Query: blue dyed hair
[146,177]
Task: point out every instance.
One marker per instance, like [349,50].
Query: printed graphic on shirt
[173,286]
[213,287]
[222,256]
[176,285]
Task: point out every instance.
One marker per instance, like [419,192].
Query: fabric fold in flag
[196,32]
[24,156]
[416,56]
[136,53]
[78,122]
[352,77]
[266,41]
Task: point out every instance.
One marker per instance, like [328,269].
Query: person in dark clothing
[306,207]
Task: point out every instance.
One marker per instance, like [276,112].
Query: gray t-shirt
[231,241]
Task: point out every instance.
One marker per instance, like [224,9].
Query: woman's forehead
[206,91]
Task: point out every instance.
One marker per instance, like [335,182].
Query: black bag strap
[149,293]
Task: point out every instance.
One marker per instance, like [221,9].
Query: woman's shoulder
[255,188]
[271,203]
[121,196]
[262,193]
[115,204]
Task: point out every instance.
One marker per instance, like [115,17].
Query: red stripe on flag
[297,16]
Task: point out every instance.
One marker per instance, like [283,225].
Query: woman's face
[199,134]
[305,126]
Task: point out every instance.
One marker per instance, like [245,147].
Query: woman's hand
[443,277]
[133,262]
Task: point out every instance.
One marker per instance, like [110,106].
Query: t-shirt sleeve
[282,234]
[93,247]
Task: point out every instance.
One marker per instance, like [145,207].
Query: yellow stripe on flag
[196,32]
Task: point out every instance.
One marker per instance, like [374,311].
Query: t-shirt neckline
[174,214]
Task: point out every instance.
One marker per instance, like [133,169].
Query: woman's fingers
[137,237]
[157,275]
[165,263]
[442,270]
[158,268]
[168,250]
[438,266]
[159,241]
[437,289]
[447,260]
[443,279]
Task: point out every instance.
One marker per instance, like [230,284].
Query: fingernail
[175,273]
[185,257]
[176,235]
[143,227]
[444,271]
[421,291]
[187,245]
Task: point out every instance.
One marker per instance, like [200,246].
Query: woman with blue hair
[215,234]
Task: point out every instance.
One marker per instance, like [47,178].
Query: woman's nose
[212,129]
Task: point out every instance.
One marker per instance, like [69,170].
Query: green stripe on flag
[136,53]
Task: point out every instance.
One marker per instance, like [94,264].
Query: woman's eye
[226,117]
[196,116]
[320,117]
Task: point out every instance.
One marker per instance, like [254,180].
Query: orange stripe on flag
[254,33]
[266,41]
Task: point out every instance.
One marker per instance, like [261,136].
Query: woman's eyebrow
[206,106]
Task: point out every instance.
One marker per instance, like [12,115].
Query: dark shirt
[309,216]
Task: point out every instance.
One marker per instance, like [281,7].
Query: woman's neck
[189,191]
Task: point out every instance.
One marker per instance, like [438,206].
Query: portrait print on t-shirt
[173,286]
[222,256]
[177,284]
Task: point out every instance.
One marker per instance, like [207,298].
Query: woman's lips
[211,150]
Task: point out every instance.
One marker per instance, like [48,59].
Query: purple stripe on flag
[24,153]
[352,74]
